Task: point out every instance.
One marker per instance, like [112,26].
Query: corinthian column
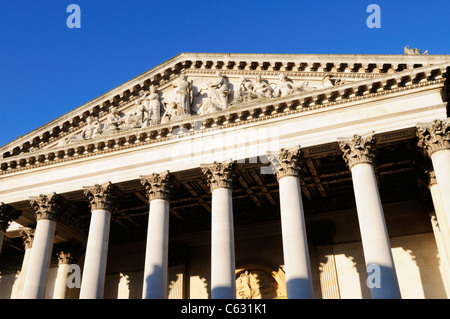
[223,278]
[434,138]
[101,199]
[359,155]
[27,235]
[295,246]
[7,215]
[47,208]
[158,188]
[65,258]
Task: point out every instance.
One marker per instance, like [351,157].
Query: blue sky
[47,69]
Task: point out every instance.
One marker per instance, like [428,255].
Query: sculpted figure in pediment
[170,112]
[284,87]
[113,121]
[184,95]
[90,130]
[219,91]
[154,107]
[245,92]
[262,88]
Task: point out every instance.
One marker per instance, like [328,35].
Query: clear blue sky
[47,69]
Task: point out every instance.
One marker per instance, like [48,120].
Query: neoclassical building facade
[249,176]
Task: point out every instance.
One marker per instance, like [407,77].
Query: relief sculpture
[151,108]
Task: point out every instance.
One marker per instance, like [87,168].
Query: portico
[210,203]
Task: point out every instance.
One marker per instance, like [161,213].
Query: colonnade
[359,154]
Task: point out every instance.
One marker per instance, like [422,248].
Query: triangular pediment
[198,85]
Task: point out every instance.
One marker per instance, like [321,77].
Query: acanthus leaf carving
[158,186]
[286,162]
[358,149]
[102,196]
[46,206]
[220,175]
[434,137]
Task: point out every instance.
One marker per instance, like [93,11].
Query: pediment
[200,85]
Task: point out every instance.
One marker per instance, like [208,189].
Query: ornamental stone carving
[158,186]
[359,149]
[101,196]
[434,137]
[256,284]
[184,95]
[220,175]
[286,162]
[27,235]
[46,206]
[7,215]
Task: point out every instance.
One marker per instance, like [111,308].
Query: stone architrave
[7,215]
[220,180]
[102,199]
[434,139]
[359,154]
[47,208]
[295,245]
[158,188]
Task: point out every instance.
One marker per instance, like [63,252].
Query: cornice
[240,114]
[342,65]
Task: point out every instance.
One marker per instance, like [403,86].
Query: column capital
[219,175]
[46,206]
[358,149]
[101,196]
[286,162]
[27,235]
[158,186]
[435,136]
[7,215]
[69,252]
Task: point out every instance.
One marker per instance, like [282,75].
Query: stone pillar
[158,188]
[47,209]
[101,199]
[359,154]
[65,258]
[295,244]
[27,235]
[440,226]
[223,277]
[434,139]
[7,215]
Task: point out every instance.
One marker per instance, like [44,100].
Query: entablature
[243,113]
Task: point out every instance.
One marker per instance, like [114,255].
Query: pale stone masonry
[238,176]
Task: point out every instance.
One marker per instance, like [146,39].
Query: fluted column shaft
[223,277]
[93,281]
[157,250]
[36,277]
[359,155]
[295,244]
